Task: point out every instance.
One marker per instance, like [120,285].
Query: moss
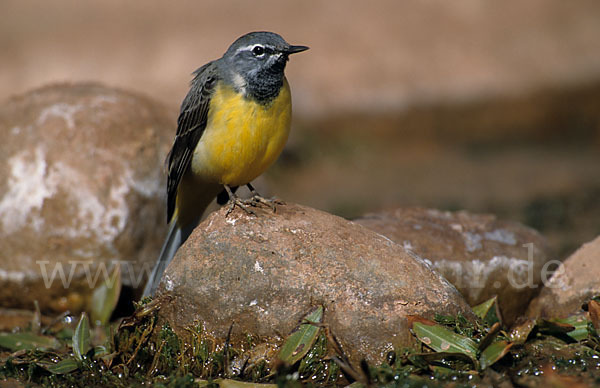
[139,352]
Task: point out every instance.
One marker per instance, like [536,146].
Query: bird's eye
[258,50]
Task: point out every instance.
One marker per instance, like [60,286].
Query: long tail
[193,197]
[172,242]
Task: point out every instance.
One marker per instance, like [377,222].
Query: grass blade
[488,311]
[580,325]
[20,341]
[554,327]
[521,330]
[355,384]
[490,336]
[81,338]
[493,353]
[302,339]
[65,366]
[105,297]
[441,339]
[228,383]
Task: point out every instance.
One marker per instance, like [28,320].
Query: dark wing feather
[190,126]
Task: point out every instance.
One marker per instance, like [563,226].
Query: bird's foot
[243,204]
[234,201]
[270,202]
[258,199]
[254,201]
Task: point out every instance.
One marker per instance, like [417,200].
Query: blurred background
[478,105]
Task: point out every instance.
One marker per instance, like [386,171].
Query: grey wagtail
[233,124]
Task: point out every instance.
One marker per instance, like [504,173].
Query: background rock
[364,57]
[488,106]
[491,107]
[81,186]
[267,272]
[11,319]
[480,255]
[575,282]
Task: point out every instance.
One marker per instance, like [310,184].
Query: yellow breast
[242,137]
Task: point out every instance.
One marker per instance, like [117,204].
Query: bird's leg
[257,198]
[223,197]
[234,201]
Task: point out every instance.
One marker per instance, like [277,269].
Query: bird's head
[259,58]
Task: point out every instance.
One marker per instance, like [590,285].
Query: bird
[233,124]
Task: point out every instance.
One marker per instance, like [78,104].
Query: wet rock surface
[80,188]
[265,273]
[481,255]
[574,283]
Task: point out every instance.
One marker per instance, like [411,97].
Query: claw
[254,201]
[270,202]
[234,201]
[257,198]
[242,204]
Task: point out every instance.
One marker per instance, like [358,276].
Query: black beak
[295,49]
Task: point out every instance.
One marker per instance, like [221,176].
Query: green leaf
[441,339]
[302,339]
[81,338]
[228,383]
[493,353]
[580,325]
[490,336]
[100,351]
[488,311]
[438,356]
[105,297]
[554,327]
[20,341]
[355,384]
[65,366]
[36,321]
[521,330]
[442,370]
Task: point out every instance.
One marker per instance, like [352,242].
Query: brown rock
[575,281]
[11,319]
[81,186]
[479,254]
[267,272]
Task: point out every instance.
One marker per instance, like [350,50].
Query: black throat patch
[264,86]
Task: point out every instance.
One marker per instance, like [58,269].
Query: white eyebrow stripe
[250,47]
